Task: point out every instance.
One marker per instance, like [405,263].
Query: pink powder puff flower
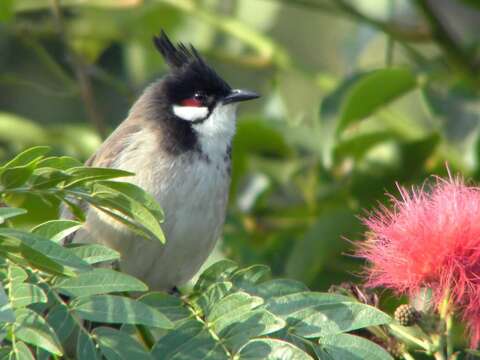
[430,239]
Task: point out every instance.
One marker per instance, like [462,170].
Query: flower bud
[406,315]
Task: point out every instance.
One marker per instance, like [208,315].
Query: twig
[80,70]
[343,8]
[455,53]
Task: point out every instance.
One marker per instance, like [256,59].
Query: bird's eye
[197,100]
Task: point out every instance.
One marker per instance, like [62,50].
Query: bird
[177,140]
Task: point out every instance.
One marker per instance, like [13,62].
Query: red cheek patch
[191,102]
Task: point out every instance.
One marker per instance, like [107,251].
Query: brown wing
[104,157]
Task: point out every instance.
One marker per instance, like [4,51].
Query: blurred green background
[357,95]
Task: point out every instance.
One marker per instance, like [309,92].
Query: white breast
[192,189]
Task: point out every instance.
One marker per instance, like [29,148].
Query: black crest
[176,56]
[189,71]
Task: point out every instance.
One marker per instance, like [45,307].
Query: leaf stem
[400,332]
[407,356]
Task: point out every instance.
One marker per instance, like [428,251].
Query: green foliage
[355,99]
[232,312]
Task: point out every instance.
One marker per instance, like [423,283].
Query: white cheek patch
[190,113]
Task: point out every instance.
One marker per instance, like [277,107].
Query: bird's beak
[237,95]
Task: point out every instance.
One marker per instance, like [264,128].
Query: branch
[455,53]
[80,69]
[343,8]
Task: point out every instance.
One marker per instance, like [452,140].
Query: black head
[191,82]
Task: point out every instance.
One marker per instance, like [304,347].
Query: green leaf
[6,313]
[45,178]
[9,212]
[320,243]
[127,211]
[138,194]
[17,274]
[143,219]
[271,349]
[191,340]
[206,300]
[236,303]
[60,163]
[86,347]
[6,10]
[28,156]
[84,174]
[16,176]
[235,321]
[60,319]
[22,254]
[94,253]
[351,347]
[359,145]
[313,314]
[279,287]
[374,90]
[25,294]
[56,230]
[22,352]
[32,328]
[117,309]
[218,272]
[99,281]
[242,327]
[116,345]
[171,306]
[53,251]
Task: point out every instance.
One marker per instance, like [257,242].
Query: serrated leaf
[373,90]
[6,312]
[9,212]
[271,349]
[117,309]
[27,156]
[32,328]
[21,352]
[99,281]
[61,321]
[351,347]
[48,248]
[86,347]
[191,340]
[313,314]
[56,230]
[94,253]
[83,174]
[24,294]
[116,345]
